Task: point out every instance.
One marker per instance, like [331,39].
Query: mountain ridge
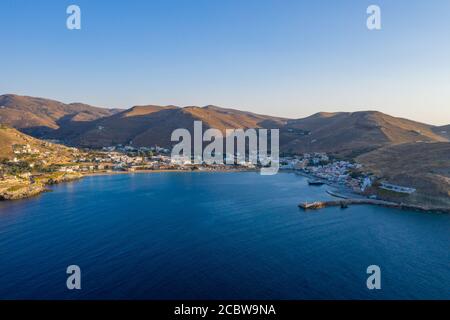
[78,124]
[38,116]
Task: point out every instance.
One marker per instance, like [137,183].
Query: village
[324,169]
[129,159]
[32,168]
[31,165]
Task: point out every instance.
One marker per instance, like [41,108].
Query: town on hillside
[33,167]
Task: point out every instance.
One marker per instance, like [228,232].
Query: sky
[277,57]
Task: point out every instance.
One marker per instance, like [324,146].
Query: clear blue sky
[279,57]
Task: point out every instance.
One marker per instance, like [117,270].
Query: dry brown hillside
[425,166]
[123,127]
[354,133]
[153,125]
[443,131]
[10,138]
[222,118]
[346,133]
[38,116]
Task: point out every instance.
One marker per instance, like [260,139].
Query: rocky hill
[15,144]
[39,116]
[424,166]
[353,133]
[347,133]
[153,125]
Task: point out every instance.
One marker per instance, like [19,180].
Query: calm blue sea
[215,236]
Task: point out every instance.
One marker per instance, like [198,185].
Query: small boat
[344,205]
[315,182]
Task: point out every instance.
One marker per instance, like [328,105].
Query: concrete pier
[343,203]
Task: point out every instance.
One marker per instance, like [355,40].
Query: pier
[344,203]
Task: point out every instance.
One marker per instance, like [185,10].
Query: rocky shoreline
[22,192]
[21,188]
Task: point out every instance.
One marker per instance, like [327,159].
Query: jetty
[344,203]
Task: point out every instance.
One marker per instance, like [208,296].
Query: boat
[315,182]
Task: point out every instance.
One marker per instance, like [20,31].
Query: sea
[212,235]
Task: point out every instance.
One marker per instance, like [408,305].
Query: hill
[153,125]
[443,131]
[27,164]
[39,116]
[11,140]
[353,133]
[424,166]
[349,134]
[344,133]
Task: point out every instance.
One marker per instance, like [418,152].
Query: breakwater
[344,203]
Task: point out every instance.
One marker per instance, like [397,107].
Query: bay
[215,236]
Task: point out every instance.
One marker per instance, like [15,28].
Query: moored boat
[315,182]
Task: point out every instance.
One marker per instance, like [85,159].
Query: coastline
[106,173]
[31,189]
[344,195]
[22,188]
[347,197]
[341,191]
